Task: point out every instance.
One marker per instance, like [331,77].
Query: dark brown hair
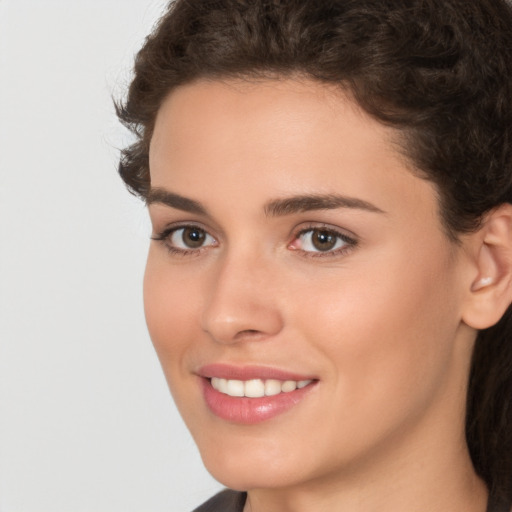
[438,70]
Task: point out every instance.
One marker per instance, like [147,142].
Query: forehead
[275,111]
[277,138]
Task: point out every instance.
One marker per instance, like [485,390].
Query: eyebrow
[274,208]
[162,196]
[308,202]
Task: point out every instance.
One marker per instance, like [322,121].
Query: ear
[490,291]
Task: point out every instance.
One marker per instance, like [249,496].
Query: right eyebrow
[309,202]
[161,196]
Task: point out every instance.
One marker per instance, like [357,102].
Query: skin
[380,324]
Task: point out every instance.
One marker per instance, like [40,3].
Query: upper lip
[248,372]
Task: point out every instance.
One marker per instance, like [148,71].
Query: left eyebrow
[162,196]
[305,203]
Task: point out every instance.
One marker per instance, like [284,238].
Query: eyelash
[165,236]
[348,242]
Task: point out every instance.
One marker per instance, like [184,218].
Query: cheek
[170,309]
[388,333]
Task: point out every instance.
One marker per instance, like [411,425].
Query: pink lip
[226,371]
[244,410]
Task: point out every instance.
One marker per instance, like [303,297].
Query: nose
[241,302]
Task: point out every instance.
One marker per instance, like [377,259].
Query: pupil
[324,240]
[193,237]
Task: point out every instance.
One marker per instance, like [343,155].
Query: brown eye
[323,240]
[193,237]
[190,237]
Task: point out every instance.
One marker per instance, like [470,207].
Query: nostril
[249,333]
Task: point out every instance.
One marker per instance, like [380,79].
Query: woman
[329,278]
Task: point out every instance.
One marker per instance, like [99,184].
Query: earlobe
[490,291]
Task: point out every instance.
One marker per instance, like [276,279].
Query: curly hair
[440,71]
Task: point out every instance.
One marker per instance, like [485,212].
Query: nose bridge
[240,302]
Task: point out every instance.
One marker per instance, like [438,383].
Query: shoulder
[224,501]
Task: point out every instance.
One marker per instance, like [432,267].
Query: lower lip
[249,411]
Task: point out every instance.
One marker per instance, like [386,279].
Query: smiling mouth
[253,400]
[251,394]
[256,388]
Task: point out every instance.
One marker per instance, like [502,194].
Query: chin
[254,464]
[244,476]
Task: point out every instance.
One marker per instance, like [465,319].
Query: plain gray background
[86,421]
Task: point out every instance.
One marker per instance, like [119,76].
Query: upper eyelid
[335,232]
[174,226]
[323,228]
[312,226]
[212,230]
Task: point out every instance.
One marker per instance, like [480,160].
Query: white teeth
[289,385]
[256,388]
[220,384]
[272,387]
[235,388]
[223,385]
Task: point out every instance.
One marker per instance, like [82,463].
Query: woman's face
[292,243]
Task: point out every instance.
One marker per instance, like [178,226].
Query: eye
[184,239]
[190,237]
[322,240]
